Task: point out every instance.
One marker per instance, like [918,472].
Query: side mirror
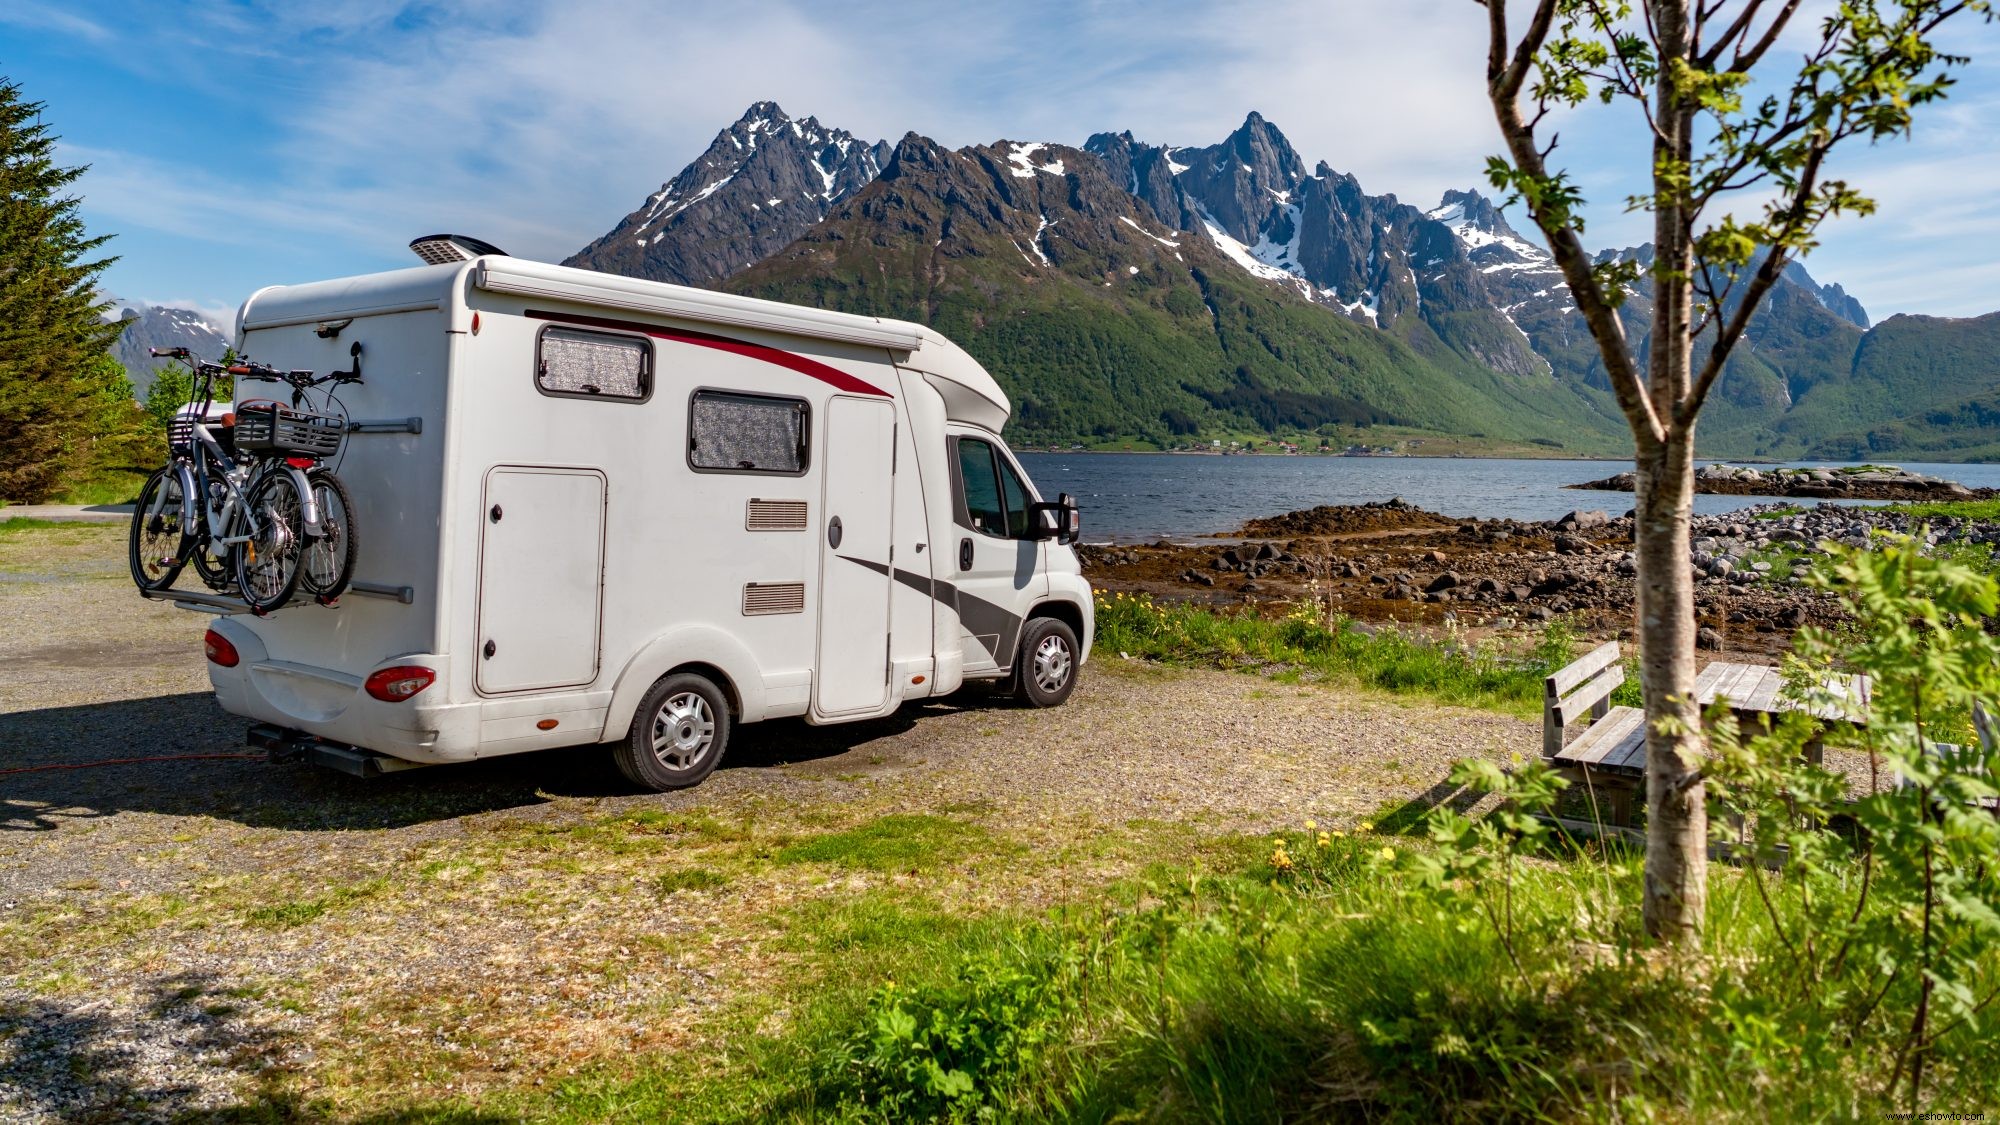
[1060,521]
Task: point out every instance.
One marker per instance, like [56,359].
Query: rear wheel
[160,540]
[678,734]
[209,559]
[1045,666]
[267,564]
[329,558]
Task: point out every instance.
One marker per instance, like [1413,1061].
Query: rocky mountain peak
[1238,182]
[1469,209]
[162,326]
[760,184]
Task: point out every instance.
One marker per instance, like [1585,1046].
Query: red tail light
[219,650]
[394,685]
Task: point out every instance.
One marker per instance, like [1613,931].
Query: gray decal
[981,617]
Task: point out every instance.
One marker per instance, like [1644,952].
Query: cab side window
[1015,492]
[979,488]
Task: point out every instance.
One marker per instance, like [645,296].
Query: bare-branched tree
[1722,130]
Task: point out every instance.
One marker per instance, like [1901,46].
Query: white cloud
[41,17]
[537,125]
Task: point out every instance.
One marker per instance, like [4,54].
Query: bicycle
[247,498]
[302,438]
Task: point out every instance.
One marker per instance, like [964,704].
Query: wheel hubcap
[683,731]
[1052,664]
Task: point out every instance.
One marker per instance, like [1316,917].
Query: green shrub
[947,1051]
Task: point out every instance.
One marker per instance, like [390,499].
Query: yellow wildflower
[1311,825]
[1366,826]
[1388,854]
[1324,839]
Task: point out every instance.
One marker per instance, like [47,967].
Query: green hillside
[1919,386]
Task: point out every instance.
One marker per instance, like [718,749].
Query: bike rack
[403,594]
[227,606]
[386,426]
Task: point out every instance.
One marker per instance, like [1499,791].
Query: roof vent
[444,249]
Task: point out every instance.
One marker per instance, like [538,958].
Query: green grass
[690,879]
[14,525]
[1958,509]
[1301,978]
[299,912]
[1780,512]
[1387,660]
[892,843]
[108,486]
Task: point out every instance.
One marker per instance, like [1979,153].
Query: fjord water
[1140,496]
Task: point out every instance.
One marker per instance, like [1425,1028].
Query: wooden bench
[1609,757]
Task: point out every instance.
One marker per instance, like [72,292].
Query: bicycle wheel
[329,562]
[210,561]
[267,563]
[159,540]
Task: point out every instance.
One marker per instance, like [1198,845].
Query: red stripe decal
[833,376]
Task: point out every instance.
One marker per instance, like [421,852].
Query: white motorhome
[591,509]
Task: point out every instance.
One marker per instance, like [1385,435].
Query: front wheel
[160,535]
[268,563]
[329,558]
[678,734]
[1045,665]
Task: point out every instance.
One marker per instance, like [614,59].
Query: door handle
[833,533]
[965,553]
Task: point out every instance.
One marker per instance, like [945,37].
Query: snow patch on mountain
[1022,159]
[1474,236]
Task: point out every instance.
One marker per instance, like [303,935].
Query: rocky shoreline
[1863,482]
[1393,562]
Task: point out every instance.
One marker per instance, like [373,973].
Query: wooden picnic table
[1755,692]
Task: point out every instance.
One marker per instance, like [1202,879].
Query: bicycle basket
[275,430]
[180,433]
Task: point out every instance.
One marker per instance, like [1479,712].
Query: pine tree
[53,334]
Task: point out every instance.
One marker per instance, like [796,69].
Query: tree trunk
[1676,901]
[1676,809]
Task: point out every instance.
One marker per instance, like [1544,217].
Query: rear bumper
[333,707]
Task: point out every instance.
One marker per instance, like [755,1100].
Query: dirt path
[178,936]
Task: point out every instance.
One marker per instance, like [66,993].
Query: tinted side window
[572,361]
[980,488]
[1015,492]
[741,433]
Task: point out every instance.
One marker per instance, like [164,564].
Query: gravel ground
[179,936]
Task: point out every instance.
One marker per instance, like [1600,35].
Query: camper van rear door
[852,671]
[540,572]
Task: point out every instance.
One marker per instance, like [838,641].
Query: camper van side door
[996,565]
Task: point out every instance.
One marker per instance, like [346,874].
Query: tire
[159,542]
[329,559]
[678,735]
[268,564]
[210,561]
[1045,665]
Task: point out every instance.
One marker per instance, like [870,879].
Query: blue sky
[236,145]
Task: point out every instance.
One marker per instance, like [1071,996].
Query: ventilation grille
[775,515]
[760,598]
